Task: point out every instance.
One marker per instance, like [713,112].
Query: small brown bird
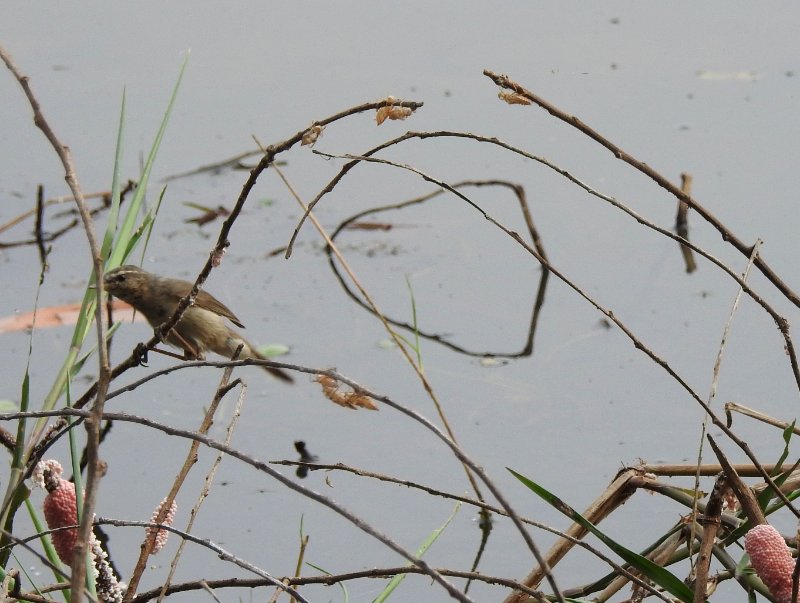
[202,326]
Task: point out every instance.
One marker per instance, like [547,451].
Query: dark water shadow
[538,302]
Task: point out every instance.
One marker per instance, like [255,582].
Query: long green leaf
[113,214]
[145,229]
[47,546]
[654,572]
[120,250]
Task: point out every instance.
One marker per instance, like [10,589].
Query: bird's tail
[249,351]
[276,372]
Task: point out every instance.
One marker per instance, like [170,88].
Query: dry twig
[93,421]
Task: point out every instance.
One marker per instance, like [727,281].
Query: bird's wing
[209,302]
[206,301]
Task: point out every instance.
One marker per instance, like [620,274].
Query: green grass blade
[78,366]
[345,595]
[120,250]
[151,215]
[113,214]
[47,545]
[145,229]
[396,580]
[778,474]
[654,572]
[416,329]
[16,491]
[24,406]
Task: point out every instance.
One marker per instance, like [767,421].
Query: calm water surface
[710,90]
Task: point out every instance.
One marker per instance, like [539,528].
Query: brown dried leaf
[361,401]
[513,98]
[59,316]
[381,115]
[395,113]
[392,111]
[352,400]
[310,136]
